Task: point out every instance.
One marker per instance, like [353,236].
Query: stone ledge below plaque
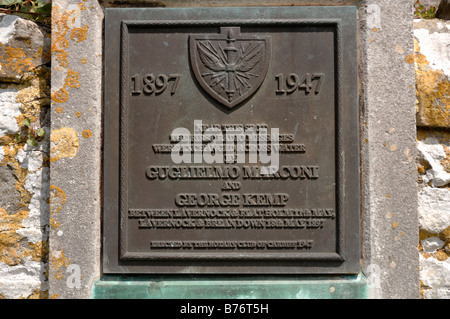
[236,287]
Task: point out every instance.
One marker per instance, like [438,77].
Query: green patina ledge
[236,287]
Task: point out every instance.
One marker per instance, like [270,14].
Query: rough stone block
[75,148]
[24,181]
[24,45]
[434,278]
[432,60]
[434,161]
[434,209]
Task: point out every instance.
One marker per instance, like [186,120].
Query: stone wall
[432,60]
[24,157]
[30,207]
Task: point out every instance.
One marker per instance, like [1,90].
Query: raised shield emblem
[230,66]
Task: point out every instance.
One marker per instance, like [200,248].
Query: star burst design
[230,66]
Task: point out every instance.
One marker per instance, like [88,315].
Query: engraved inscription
[151,84]
[291,83]
[230,141]
[230,172]
[230,245]
[255,218]
[232,208]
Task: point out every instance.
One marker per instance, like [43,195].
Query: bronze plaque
[231,141]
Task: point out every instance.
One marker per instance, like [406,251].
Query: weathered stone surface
[24,182]
[431,244]
[432,154]
[432,60]
[22,280]
[75,161]
[434,278]
[9,195]
[434,209]
[24,45]
[388,146]
[443,139]
[63,143]
[9,110]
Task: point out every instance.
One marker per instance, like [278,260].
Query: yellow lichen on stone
[445,234]
[60,96]
[58,260]
[32,99]
[53,223]
[87,133]
[9,238]
[37,294]
[13,247]
[440,254]
[433,93]
[61,23]
[71,80]
[16,60]
[56,200]
[409,58]
[63,143]
[37,251]
[24,63]
[20,173]
[79,34]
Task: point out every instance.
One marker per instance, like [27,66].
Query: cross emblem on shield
[230,66]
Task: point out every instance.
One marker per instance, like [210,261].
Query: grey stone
[388,146]
[9,195]
[431,244]
[434,209]
[434,276]
[433,152]
[77,178]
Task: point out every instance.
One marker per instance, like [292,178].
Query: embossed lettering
[291,83]
[149,84]
[201,200]
[265,199]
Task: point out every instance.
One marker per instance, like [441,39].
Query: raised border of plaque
[116,258]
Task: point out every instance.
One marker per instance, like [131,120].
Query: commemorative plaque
[231,141]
